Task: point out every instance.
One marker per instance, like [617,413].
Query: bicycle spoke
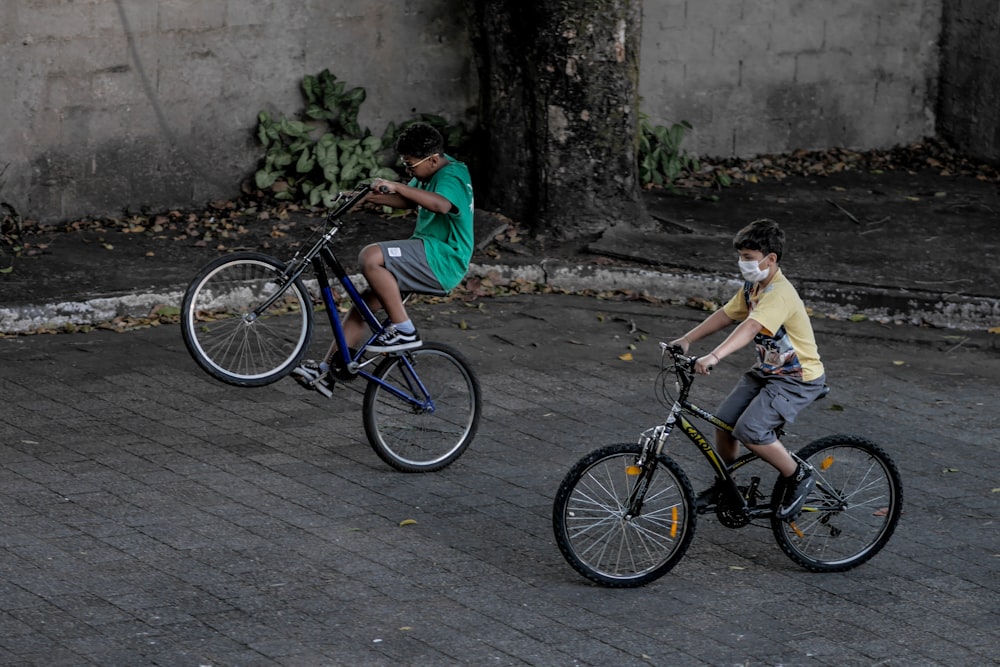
[596,532]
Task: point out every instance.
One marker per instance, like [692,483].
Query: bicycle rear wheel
[852,512]
[599,539]
[423,410]
[224,334]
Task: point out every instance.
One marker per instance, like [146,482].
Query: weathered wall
[112,104]
[969,109]
[773,76]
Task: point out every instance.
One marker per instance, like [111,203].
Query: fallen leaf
[407,522]
[947,470]
[625,357]
[899,363]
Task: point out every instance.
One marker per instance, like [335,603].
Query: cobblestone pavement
[152,516]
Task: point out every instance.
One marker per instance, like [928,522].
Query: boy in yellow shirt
[788,374]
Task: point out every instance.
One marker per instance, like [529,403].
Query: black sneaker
[797,488]
[393,340]
[314,375]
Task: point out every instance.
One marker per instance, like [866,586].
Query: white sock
[404,327]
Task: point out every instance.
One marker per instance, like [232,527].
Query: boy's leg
[775,454]
[778,403]
[354,325]
[727,446]
[383,283]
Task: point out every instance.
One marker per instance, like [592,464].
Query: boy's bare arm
[714,322]
[742,336]
[398,195]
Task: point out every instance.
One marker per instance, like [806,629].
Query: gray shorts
[760,404]
[407,261]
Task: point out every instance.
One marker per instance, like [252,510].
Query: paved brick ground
[151,516]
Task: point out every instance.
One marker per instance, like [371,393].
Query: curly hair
[419,140]
[764,235]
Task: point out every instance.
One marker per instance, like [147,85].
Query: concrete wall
[773,76]
[112,104]
[126,103]
[969,109]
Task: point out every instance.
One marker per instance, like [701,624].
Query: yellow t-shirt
[786,344]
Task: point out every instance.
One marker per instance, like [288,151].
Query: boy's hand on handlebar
[681,342]
[380,186]
[704,365]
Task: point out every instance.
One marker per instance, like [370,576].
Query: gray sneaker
[314,375]
[797,489]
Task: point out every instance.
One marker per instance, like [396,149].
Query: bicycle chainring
[732,516]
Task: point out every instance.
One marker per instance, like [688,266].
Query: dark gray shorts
[759,404]
[407,261]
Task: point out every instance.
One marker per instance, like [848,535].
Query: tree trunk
[559,113]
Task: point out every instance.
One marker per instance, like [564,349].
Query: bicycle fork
[652,441]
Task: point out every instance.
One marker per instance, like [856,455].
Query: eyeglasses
[411,166]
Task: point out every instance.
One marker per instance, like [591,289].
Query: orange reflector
[827,462]
[673,526]
[795,529]
[632,471]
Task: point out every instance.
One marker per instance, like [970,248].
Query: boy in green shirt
[432,261]
[788,374]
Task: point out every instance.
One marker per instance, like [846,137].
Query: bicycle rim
[853,510]
[229,343]
[434,420]
[594,533]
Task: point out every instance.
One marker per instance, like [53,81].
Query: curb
[952,311]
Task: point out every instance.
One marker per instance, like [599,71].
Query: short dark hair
[764,235]
[419,140]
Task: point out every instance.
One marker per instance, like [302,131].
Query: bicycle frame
[320,256]
[654,440]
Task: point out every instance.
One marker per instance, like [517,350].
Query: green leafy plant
[662,161]
[311,160]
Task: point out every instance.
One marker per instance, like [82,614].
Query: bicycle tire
[595,537]
[224,342]
[418,432]
[851,513]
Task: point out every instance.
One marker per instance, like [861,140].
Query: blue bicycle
[247,319]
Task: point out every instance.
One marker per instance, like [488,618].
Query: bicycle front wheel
[599,537]
[229,334]
[851,513]
[421,410]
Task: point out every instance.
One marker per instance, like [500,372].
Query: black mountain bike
[247,319]
[625,514]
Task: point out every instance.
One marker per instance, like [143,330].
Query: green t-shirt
[448,237]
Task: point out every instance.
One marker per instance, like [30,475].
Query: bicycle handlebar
[684,361]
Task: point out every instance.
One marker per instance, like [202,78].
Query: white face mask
[752,273]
